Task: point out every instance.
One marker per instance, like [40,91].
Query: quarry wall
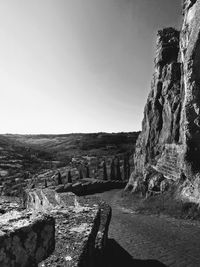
[169,143]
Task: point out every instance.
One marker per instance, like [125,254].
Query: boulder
[25,240]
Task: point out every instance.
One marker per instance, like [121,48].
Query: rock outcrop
[170,139]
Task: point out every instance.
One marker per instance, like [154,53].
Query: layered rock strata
[170,139]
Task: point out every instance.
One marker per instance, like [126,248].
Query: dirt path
[149,240]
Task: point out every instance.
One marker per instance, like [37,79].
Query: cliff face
[161,123]
[169,143]
[190,57]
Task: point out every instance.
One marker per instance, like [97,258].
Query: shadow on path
[117,256]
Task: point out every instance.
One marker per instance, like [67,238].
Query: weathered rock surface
[170,137]
[25,239]
[81,227]
[162,111]
[160,134]
[190,56]
[6,205]
[54,230]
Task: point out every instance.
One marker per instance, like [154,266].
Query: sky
[71,66]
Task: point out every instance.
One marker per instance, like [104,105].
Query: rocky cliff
[169,144]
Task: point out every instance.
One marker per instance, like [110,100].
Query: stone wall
[89,186]
[25,239]
[55,229]
[81,229]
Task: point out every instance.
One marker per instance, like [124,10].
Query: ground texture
[150,240]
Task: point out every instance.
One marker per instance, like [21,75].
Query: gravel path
[149,240]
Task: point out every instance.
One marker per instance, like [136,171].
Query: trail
[150,240]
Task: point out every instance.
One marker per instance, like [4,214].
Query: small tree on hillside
[87,172]
[69,177]
[45,183]
[125,168]
[105,176]
[128,168]
[118,176]
[80,173]
[59,178]
[112,170]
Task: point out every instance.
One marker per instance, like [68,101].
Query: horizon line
[71,133]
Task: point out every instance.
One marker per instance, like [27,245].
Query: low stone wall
[90,186]
[25,239]
[55,230]
[81,228]
[102,235]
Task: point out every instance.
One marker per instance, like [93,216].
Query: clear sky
[78,65]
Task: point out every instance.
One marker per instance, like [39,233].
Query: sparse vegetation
[165,203]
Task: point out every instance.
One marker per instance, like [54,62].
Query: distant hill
[32,153]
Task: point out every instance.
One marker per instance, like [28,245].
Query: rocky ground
[140,240]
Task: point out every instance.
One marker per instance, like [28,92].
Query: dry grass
[166,204]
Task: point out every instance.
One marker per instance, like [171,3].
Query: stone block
[25,239]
